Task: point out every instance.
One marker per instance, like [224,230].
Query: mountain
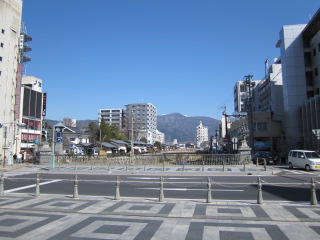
[183,128]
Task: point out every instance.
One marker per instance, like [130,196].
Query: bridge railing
[158,159]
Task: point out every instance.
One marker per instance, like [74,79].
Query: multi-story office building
[31,112]
[144,125]
[269,92]
[10,21]
[202,134]
[300,57]
[112,116]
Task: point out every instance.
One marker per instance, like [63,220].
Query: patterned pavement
[55,217]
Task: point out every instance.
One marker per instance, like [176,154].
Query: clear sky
[180,55]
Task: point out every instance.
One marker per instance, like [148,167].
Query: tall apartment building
[10,21]
[202,134]
[144,124]
[112,116]
[300,57]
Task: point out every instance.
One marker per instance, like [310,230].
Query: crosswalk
[300,172]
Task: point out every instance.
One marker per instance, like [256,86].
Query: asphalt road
[289,185]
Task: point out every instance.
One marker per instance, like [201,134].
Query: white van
[304,159]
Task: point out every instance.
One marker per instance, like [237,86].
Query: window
[319,47]
[1,45]
[0,59]
[2,31]
[314,51]
[0,73]
[316,72]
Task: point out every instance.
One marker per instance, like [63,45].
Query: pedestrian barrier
[161,196]
[117,195]
[37,193]
[2,184]
[161,181]
[157,159]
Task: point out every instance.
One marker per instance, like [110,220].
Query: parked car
[268,156]
[309,160]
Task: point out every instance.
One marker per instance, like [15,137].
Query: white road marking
[185,189]
[157,178]
[30,186]
[297,172]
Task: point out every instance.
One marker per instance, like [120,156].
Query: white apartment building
[10,21]
[160,137]
[112,116]
[202,134]
[144,116]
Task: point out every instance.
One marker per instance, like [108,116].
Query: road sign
[234,140]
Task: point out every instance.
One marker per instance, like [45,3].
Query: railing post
[209,197]
[59,163]
[144,167]
[244,166]
[265,164]
[37,193]
[313,200]
[183,167]
[260,199]
[202,166]
[92,164]
[75,163]
[161,197]
[117,196]
[223,167]
[257,163]
[109,166]
[75,187]
[2,184]
[163,168]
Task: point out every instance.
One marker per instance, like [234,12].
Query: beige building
[10,21]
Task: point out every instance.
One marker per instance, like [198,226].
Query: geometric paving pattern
[110,228]
[13,224]
[135,208]
[48,217]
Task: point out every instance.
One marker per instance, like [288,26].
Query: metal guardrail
[161,182]
[158,159]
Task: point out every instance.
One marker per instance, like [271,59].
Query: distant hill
[183,128]
[174,126]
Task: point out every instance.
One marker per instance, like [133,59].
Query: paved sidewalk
[56,217]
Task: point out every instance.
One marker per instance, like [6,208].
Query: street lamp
[132,150]
[216,141]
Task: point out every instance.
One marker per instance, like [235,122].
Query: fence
[158,159]
[162,182]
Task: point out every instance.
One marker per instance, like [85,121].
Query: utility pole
[132,150]
[248,82]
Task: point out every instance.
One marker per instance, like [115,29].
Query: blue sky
[180,55]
